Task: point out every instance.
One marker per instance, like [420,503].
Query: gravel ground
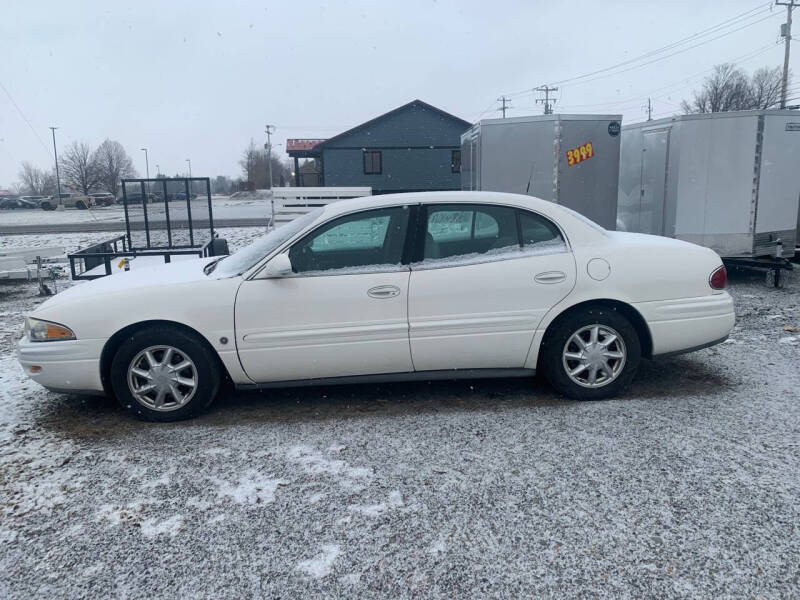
[686,487]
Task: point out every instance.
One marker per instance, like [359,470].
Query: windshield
[238,262]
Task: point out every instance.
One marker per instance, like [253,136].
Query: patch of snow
[437,547]
[493,255]
[351,579]
[315,463]
[792,340]
[94,569]
[366,269]
[171,526]
[314,498]
[198,503]
[217,452]
[252,489]
[320,566]
[114,515]
[153,484]
[375,510]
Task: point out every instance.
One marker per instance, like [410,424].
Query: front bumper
[69,366]
[688,323]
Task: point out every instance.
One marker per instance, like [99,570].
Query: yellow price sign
[580,154]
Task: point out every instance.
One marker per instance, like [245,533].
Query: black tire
[553,348]
[48,207]
[81,205]
[188,345]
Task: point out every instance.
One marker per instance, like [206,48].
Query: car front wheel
[164,374]
[591,354]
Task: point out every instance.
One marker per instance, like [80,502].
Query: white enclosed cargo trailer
[728,181]
[572,160]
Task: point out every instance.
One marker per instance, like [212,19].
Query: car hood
[168,274]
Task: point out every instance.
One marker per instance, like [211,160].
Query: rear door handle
[550,277]
[383,291]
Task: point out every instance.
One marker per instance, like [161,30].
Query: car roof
[483,197]
[570,221]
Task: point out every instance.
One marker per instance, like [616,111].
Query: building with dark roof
[415,147]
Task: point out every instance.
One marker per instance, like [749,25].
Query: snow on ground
[236,236]
[224,207]
[685,487]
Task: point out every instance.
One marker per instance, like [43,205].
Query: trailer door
[655,159]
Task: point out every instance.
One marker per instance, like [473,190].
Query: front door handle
[550,277]
[383,291]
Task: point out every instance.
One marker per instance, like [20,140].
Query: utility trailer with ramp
[164,218]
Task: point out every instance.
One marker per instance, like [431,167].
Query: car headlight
[37,330]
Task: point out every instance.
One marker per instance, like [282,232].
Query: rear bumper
[688,324]
[70,366]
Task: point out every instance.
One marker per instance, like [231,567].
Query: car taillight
[718,278]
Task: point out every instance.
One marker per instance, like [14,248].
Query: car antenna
[530,178]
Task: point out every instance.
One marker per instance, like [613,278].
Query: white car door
[343,311]
[486,277]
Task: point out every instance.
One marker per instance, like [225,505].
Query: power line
[705,32]
[634,102]
[24,118]
[655,60]
[761,8]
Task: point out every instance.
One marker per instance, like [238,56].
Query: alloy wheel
[594,356]
[162,378]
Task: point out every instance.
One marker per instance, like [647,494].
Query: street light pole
[188,160]
[146,162]
[270,129]
[60,205]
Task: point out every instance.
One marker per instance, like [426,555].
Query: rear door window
[539,233]
[463,231]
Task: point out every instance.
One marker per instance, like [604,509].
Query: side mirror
[279,266]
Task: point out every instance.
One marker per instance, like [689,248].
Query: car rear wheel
[591,354]
[164,374]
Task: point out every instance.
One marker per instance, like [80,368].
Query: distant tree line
[81,169]
[84,170]
[730,88]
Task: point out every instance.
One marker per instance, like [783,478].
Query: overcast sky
[199,79]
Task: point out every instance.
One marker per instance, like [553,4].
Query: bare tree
[36,181]
[79,168]
[250,161]
[113,164]
[255,167]
[765,87]
[729,88]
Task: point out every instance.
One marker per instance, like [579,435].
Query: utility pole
[504,108]
[786,32]
[268,147]
[60,205]
[548,110]
[649,110]
[146,162]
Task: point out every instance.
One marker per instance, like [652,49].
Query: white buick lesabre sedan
[410,286]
